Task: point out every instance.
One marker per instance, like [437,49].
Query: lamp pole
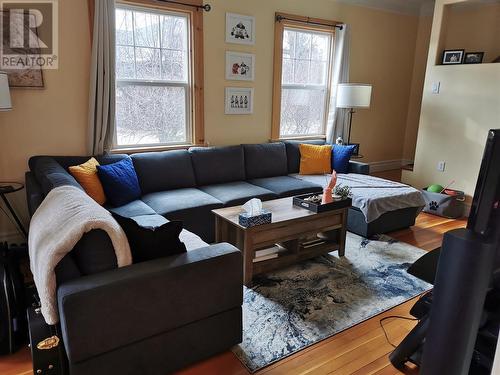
[351,112]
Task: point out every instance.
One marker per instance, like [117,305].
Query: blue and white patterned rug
[290,309]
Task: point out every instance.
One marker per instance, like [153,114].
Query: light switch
[436,87]
[441,166]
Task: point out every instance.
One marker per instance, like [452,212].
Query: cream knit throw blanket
[58,224]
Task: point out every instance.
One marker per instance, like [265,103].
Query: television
[459,320]
[466,295]
[484,218]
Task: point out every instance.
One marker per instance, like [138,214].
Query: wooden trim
[197,68]
[198,74]
[135,150]
[299,22]
[298,138]
[277,77]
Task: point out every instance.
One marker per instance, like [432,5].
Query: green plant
[343,191]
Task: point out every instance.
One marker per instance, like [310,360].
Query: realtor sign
[29,34]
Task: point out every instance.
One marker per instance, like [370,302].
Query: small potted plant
[342,192]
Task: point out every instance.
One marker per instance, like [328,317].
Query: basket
[449,206]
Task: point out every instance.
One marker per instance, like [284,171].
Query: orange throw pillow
[315,159]
[86,175]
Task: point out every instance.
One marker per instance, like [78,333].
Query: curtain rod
[281,18]
[205,7]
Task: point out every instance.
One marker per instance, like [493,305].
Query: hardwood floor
[359,350]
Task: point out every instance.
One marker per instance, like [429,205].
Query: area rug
[287,310]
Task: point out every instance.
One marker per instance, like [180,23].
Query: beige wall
[417,87]
[54,120]
[474,27]
[382,53]
[454,124]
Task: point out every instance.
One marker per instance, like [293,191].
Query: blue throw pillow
[120,182]
[341,156]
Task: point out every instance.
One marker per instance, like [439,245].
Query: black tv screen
[484,218]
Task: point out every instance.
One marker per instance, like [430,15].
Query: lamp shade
[5,103]
[354,95]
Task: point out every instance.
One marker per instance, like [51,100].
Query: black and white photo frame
[473,57]
[453,57]
[240,66]
[240,29]
[239,101]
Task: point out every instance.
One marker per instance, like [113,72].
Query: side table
[8,188]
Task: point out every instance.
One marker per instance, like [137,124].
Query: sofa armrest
[358,167]
[105,311]
[34,193]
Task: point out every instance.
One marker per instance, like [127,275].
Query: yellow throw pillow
[86,175]
[315,159]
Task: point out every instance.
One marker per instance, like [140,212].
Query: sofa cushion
[340,157]
[293,152]
[131,209]
[67,161]
[286,186]
[50,174]
[158,171]
[315,159]
[119,181]
[217,165]
[151,236]
[235,193]
[265,160]
[86,175]
[94,253]
[191,206]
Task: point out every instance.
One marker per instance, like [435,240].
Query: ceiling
[412,7]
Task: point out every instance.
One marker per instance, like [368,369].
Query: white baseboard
[12,237]
[388,165]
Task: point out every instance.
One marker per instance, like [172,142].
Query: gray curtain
[102,78]
[337,117]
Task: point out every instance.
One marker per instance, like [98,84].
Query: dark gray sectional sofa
[187,184]
[158,316]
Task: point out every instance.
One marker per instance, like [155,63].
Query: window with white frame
[153,78]
[305,81]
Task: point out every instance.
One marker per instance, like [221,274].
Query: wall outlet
[441,166]
[436,87]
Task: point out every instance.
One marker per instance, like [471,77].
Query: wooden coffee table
[295,229]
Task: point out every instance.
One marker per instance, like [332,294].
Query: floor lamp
[353,95]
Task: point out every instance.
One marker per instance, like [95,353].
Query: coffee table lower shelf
[289,257]
[300,232]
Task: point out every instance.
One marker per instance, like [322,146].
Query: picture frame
[240,66]
[453,56]
[473,57]
[24,77]
[240,29]
[239,100]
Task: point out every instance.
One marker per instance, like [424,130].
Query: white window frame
[297,86]
[301,24]
[188,86]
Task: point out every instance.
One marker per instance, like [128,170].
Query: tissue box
[250,221]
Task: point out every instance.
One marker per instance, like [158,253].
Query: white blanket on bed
[374,196]
[58,224]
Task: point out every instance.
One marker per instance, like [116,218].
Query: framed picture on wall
[474,58]
[240,66]
[30,77]
[240,29]
[239,101]
[453,56]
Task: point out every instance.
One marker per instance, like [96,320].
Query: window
[302,79]
[154,78]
